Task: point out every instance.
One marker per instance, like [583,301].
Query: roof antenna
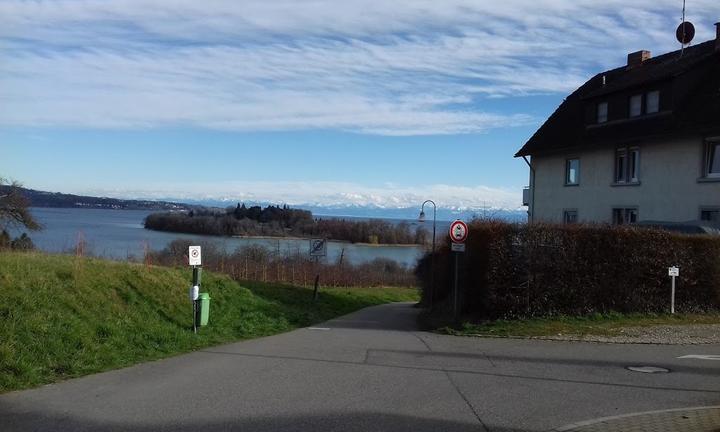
[685,32]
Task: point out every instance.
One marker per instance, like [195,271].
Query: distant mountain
[373,211]
[61,200]
[56,199]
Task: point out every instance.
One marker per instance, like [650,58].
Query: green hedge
[513,270]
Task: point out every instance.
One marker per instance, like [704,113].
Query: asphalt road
[372,371]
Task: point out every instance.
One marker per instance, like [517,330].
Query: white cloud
[377,67]
[327,194]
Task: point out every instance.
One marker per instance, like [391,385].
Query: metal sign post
[318,248]
[195,260]
[673,272]
[458,235]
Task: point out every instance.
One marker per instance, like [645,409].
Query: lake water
[119,234]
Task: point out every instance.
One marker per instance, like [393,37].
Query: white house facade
[640,143]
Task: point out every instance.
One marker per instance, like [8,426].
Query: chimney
[717,36]
[637,58]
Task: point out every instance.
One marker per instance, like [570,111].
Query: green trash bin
[203,308]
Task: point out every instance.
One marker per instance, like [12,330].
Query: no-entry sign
[458,231]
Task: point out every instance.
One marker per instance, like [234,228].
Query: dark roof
[694,93]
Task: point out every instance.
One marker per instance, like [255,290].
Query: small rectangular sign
[318,247]
[458,247]
[195,256]
[674,271]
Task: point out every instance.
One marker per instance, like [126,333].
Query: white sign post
[195,255]
[458,235]
[195,261]
[673,272]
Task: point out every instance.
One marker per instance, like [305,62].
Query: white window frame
[629,173]
[633,165]
[633,98]
[625,213]
[621,172]
[567,172]
[712,150]
[709,209]
[652,109]
[602,112]
[567,213]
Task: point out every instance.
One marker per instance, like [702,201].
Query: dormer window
[636,105]
[602,112]
[652,102]
[648,103]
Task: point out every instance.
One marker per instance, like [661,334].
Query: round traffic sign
[458,231]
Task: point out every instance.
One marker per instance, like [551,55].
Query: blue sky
[371,103]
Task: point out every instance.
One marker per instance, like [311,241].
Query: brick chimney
[637,58]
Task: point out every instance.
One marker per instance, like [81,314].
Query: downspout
[532,190]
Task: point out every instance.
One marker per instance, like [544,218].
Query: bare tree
[14,207]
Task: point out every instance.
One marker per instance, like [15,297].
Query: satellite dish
[685,32]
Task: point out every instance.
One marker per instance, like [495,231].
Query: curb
[573,426]
[554,339]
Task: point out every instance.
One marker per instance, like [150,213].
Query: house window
[636,105]
[622,216]
[572,172]
[648,103]
[620,166]
[710,215]
[652,102]
[712,159]
[627,165]
[633,174]
[602,112]
[570,216]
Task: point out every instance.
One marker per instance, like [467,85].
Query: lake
[119,234]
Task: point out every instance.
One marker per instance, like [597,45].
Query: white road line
[318,328]
[701,357]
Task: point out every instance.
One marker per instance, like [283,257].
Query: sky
[370,103]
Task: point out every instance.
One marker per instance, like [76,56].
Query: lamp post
[432,257]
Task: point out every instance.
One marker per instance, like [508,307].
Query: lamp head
[421,218]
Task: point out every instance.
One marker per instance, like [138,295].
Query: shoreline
[260,237]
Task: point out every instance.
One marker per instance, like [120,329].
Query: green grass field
[597,324]
[62,316]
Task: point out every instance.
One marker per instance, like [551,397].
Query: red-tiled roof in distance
[689,81]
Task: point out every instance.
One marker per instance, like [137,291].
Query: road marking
[318,328]
[647,369]
[701,357]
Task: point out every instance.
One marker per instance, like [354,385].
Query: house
[636,143]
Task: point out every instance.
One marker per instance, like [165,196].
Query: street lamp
[432,257]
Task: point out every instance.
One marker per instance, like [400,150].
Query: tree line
[257,263]
[283,221]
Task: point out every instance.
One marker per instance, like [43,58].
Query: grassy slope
[64,317]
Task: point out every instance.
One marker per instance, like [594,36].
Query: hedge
[520,270]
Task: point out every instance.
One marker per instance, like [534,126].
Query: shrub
[257,263]
[512,270]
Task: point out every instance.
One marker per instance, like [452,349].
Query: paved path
[372,371]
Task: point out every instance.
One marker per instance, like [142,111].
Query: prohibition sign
[458,231]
